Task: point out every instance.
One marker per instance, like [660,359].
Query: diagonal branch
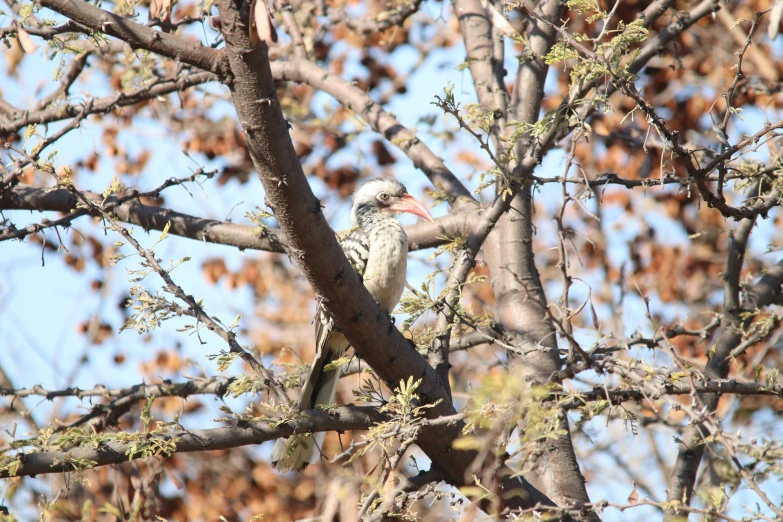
[380,121]
[159,87]
[323,262]
[139,36]
[194,308]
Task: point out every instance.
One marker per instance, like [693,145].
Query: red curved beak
[411,205]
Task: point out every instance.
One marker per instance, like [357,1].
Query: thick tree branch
[242,434]
[244,237]
[140,36]
[513,272]
[316,250]
[133,212]
[300,70]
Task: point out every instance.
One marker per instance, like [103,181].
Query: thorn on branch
[317,206]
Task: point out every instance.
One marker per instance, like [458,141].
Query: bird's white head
[379,198]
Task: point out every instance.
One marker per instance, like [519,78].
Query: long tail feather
[319,389]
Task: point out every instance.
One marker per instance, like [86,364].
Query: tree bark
[314,247]
[521,301]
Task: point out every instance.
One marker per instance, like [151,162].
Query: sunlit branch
[129,209]
[673,138]
[380,121]
[187,441]
[140,36]
[322,260]
[158,87]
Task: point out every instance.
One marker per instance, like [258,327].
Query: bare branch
[159,87]
[380,121]
[384,20]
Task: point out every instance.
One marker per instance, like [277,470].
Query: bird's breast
[387,265]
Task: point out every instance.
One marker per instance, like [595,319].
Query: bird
[377,248]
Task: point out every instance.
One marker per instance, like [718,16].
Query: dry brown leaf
[262,28]
[214,269]
[25,41]
[633,498]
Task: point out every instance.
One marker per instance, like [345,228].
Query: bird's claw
[391,322]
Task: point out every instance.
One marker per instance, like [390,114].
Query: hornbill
[378,250]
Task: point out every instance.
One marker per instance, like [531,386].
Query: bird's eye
[383,196]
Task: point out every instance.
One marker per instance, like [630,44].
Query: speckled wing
[357,249]
[356,246]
